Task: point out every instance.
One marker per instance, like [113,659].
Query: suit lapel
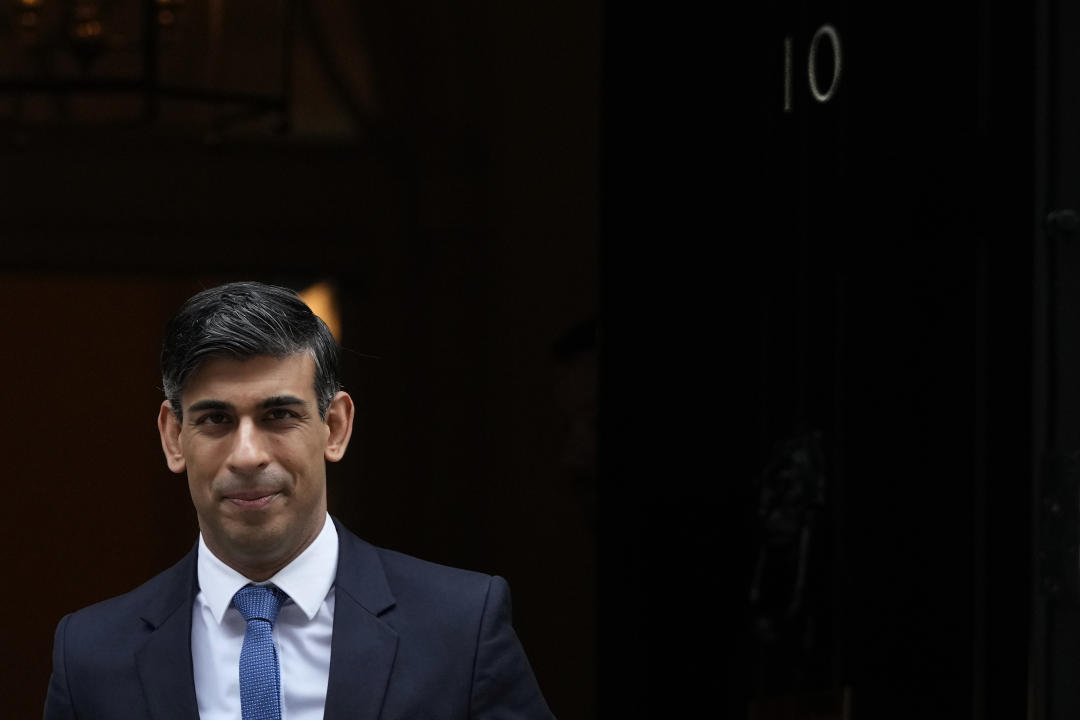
[164,660]
[362,650]
[363,646]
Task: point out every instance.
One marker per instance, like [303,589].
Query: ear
[339,420]
[169,429]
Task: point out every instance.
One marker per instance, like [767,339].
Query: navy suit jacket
[412,639]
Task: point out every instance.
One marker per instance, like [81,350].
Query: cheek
[202,461]
[298,454]
[198,484]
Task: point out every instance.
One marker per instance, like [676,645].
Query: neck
[261,563]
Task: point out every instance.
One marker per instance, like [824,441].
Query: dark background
[439,169]
[764,412]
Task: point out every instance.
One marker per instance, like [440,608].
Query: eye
[214,418]
[280,414]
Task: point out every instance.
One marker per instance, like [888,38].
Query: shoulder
[95,648]
[411,583]
[147,605]
[407,570]
[454,589]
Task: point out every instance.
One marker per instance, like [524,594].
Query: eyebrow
[270,402]
[208,405]
[279,400]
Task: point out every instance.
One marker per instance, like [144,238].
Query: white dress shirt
[302,631]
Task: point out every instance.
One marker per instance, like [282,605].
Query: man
[279,612]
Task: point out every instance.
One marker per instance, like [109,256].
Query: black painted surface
[849,282]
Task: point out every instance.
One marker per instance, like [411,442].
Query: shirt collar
[306,580]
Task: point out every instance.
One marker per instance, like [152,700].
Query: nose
[248,454]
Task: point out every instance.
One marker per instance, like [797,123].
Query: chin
[254,537]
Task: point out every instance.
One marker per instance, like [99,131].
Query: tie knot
[259,602]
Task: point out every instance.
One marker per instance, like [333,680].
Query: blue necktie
[260,675]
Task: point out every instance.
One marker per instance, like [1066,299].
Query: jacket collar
[164,660]
[364,646]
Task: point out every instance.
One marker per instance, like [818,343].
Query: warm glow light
[320,298]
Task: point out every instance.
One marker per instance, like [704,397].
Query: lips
[251,499]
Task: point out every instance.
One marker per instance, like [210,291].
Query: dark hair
[243,320]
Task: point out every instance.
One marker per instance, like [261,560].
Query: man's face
[255,451]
